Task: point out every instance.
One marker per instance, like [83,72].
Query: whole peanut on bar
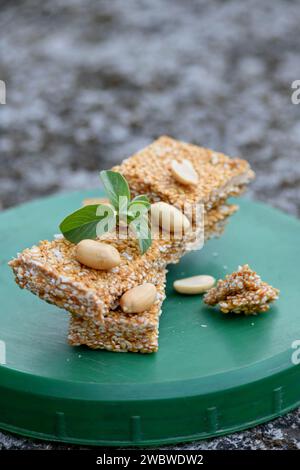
[184,172]
[138,299]
[97,255]
[168,216]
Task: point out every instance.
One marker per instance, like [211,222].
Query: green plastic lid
[213,374]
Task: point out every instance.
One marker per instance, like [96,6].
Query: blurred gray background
[89,82]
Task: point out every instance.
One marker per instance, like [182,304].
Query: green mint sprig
[95,220]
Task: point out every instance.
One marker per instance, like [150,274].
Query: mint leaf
[82,224]
[107,219]
[115,186]
[92,221]
[145,243]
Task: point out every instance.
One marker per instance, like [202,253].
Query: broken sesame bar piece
[242,292]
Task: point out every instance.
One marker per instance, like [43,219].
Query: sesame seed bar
[51,271]
[242,292]
[122,332]
[149,172]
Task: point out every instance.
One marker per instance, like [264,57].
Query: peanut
[97,255]
[169,217]
[138,299]
[184,172]
[194,284]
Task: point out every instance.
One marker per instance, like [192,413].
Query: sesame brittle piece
[149,172]
[51,271]
[242,292]
[121,332]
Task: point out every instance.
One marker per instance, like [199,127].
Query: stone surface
[89,82]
